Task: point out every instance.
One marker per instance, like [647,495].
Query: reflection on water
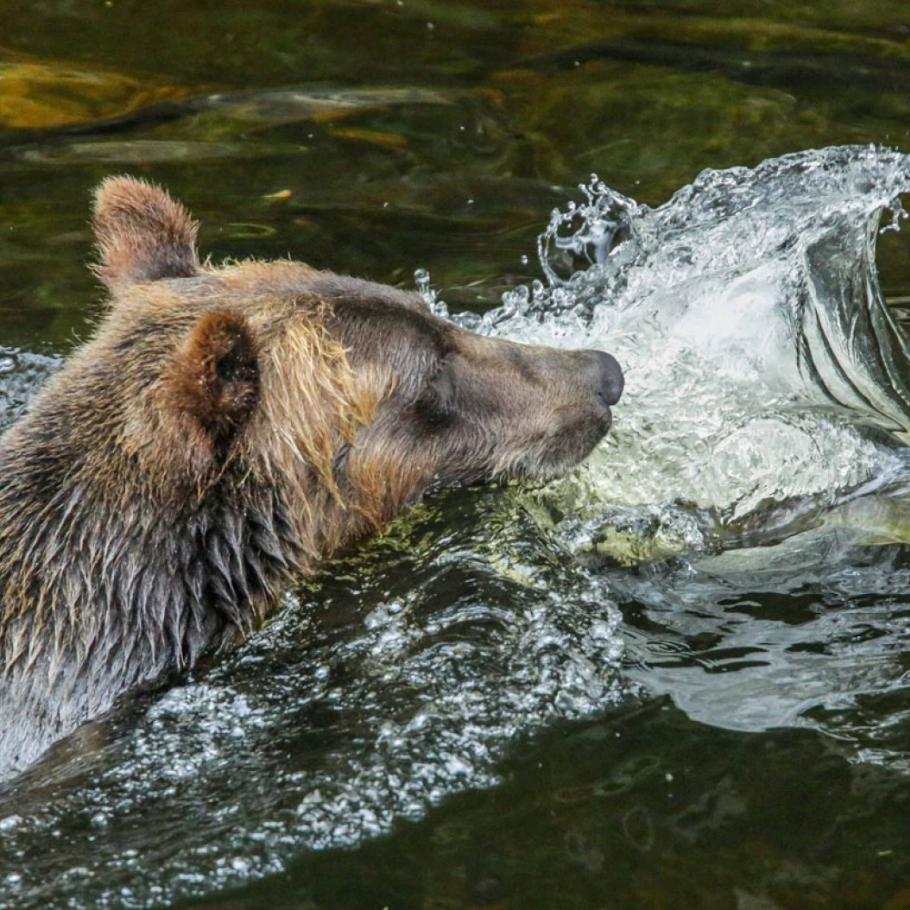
[44,95]
[730,657]
[678,678]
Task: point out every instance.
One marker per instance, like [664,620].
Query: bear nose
[606,376]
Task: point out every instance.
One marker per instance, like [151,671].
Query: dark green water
[751,747]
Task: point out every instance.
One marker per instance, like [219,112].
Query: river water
[679,677]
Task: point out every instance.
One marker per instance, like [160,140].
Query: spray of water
[762,365]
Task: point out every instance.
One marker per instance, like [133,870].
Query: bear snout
[604,374]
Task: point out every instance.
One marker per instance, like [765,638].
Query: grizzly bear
[225,430]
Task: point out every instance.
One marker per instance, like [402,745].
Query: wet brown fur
[224,430]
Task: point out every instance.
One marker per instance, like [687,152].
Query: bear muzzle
[605,375]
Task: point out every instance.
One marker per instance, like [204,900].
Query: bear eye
[436,405]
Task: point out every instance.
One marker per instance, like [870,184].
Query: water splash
[762,365]
[21,373]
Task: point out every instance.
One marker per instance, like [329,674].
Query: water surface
[680,677]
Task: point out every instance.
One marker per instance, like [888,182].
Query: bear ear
[211,388]
[141,234]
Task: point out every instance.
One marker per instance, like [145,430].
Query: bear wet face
[226,429]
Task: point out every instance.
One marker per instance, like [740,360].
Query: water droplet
[422,278]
